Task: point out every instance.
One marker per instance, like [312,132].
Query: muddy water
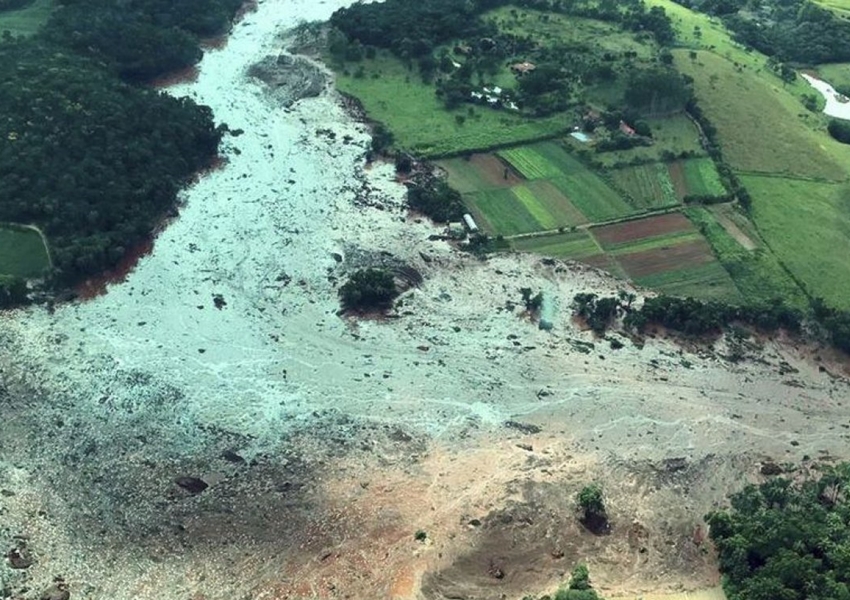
[834,106]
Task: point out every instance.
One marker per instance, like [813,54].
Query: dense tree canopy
[787,541]
[791,30]
[93,161]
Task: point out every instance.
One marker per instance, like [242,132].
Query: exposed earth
[211,427]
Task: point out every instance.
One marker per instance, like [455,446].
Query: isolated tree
[369,289]
[594,515]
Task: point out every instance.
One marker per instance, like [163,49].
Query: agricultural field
[527,208]
[671,135]
[585,190]
[396,96]
[696,177]
[26,21]
[807,226]
[22,252]
[479,172]
[762,127]
[568,245]
[757,273]
[666,253]
[649,186]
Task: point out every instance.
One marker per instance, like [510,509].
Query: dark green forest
[790,30]
[787,540]
[90,153]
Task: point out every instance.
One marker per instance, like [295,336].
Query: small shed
[470,223]
[624,127]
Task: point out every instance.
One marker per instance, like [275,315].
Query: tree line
[790,30]
[90,155]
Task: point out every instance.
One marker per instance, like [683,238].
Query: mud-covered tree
[368,289]
[594,516]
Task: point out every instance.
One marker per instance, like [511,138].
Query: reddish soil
[96,286]
[611,235]
[671,258]
[677,176]
[495,171]
[189,74]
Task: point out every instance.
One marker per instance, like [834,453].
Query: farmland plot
[648,185]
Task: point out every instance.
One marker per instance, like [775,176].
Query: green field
[22,252]
[807,226]
[708,281]
[574,244]
[585,189]
[702,179]
[397,97]
[762,127]
[837,74]
[648,186]
[757,274]
[28,20]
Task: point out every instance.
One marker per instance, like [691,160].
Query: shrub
[594,515]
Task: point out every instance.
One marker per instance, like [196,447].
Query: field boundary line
[23,227]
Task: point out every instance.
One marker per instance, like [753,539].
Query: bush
[580,578]
[594,515]
[434,198]
[369,289]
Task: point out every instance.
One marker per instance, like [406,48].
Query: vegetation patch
[649,186]
[673,136]
[786,538]
[701,180]
[758,274]
[22,252]
[478,172]
[369,289]
[708,281]
[27,18]
[568,245]
[806,225]
[501,212]
[758,122]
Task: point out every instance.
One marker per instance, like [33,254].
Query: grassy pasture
[22,252]
[572,245]
[757,274]
[762,127]
[396,96]
[26,21]
[696,177]
[837,74]
[596,200]
[807,226]
[707,281]
[649,186]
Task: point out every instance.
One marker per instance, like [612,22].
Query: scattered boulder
[19,558]
[57,591]
[193,485]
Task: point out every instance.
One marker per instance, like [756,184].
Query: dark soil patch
[611,235]
[671,258]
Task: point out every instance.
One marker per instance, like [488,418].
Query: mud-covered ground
[326,443]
